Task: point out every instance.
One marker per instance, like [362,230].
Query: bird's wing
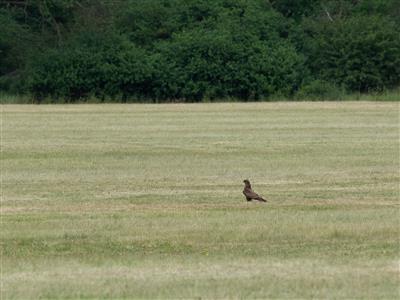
[250,194]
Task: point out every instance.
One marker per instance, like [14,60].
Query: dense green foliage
[194,50]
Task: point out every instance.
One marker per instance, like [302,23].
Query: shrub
[319,90]
[362,53]
[214,64]
[94,64]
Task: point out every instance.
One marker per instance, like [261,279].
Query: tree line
[197,50]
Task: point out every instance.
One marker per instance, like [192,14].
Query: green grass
[338,94]
[389,95]
[144,201]
[6,98]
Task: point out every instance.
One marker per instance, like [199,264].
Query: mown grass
[144,201]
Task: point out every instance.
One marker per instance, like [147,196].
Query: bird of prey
[249,193]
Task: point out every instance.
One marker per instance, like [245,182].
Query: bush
[93,65]
[362,53]
[198,65]
[320,90]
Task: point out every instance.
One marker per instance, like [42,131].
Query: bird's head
[246,182]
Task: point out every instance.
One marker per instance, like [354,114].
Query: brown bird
[249,193]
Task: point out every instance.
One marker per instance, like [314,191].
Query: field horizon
[103,201]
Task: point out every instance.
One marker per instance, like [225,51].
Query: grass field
[145,201]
